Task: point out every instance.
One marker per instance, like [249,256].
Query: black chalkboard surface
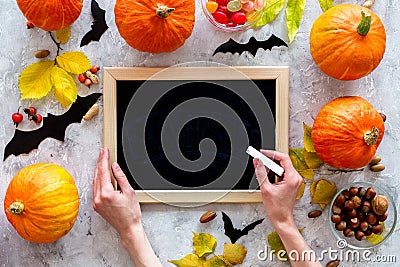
[190,134]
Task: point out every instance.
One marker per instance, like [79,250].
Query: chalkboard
[180,133]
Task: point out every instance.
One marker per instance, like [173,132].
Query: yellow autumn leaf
[308,174]
[323,192]
[73,62]
[374,238]
[271,11]
[63,34]
[203,244]
[308,143]
[277,246]
[312,160]
[294,14]
[325,4]
[35,80]
[190,260]
[216,261]
[296,155]
[300,193]
[234,253]
[64,87]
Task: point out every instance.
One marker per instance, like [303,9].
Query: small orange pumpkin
[348,41]
[42,202]
[51,15]
[347,132]
[155,26]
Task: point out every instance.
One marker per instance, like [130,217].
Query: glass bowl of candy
[233,15]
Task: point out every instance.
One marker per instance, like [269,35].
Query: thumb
[261,172]
[120,177]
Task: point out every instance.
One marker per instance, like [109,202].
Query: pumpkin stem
[164,11]
[371,137]
[365,24]
[16,208]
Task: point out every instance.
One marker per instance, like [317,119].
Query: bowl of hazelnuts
[363,214]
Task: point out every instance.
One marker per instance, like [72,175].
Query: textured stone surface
[92,242]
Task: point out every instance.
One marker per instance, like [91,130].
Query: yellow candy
[234,6]
[211,6]
[252,16]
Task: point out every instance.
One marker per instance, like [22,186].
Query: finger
[284,159]
[103,171]
[121,178]
[95,179]
[261,173]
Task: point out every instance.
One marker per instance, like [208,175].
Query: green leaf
[325,4]
[64,86]
[73,62]
[204,244]
[216,261]
[294,14]
[312,160]
[234,253]
[308,143]
[296,155]
[308,173]
[190,260]
[35,80]
[271,11]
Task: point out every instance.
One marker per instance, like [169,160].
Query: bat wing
[99,25]
[251,226]
[231,46]
[230,231]
[53,127]
[272,42]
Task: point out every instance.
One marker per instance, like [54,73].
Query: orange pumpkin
[51,15]
[155,26]
[42,202]
[348,41]
[347,132]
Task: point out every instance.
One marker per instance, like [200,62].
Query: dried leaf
[276,245]
[312,160]
[73,62]
[216,261]
[64,86]
[313,186]
[308,174]
[374,238]
[325,4]
[204,244]
[271,11]
[294,14]
[296,155]
[190,260]
[301,190]
[324,191]
[308,143]
[35,80]
[63,35]
[234,253]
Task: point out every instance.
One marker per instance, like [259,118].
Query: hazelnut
[335,218]
[352,214]
[208,216]
[366,206]
[346,194]
[340,226]
[377,229]
[360,235]
[354,223]
[383,217]
[314,214]
[333,263]
[353,191]
[380,204]
[336,209]
[372,219]
[364,226]
[362,191]
[340,199]
[348,232]
[357,201]
[361,215]
[370,194]
[349,205]
[368,232]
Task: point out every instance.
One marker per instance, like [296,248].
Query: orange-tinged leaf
[190,260]
[308,143]
[64,87]
[35,80]
[63,35]
[73,62]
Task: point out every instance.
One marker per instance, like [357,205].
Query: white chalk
[270,164]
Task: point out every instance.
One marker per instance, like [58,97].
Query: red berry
[88,82]
[221,17]
[29,25]
[82,77]
[231,24]
[37,118]
[94,69]
[222,2]
[17,117]
[30,110]
[239,18]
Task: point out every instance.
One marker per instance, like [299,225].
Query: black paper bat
[233,233]
[99,25]
[53,126]
[251,46]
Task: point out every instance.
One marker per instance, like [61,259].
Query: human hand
[120,208]
[278,198]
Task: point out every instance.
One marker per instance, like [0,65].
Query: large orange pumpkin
[42,202]
[51,15]
[348,41]
[155,26]
[347,132]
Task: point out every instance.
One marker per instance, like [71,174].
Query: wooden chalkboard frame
[113,74]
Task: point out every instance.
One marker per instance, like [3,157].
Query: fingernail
[115,165]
